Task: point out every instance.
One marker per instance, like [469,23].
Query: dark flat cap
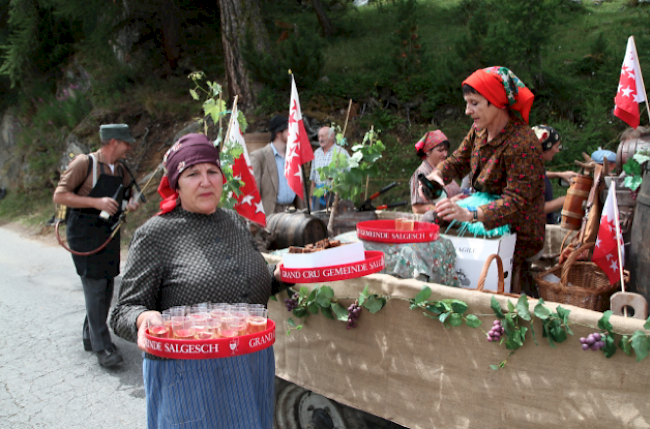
[117,132]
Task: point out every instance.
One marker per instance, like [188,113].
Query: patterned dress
[511,166]
[184,258]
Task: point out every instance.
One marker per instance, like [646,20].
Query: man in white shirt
[323,158]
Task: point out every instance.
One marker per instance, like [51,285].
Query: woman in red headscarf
[503,156]
[432,149]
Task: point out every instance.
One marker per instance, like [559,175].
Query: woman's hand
[448,210]
[144,319]
[276,272]
[567,176]
[435,176]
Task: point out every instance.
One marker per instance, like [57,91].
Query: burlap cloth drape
[409,369]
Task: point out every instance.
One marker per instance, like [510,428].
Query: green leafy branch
[634,170]
[638,343]
[321,299]
[450,312]
[347,175]
[214,108]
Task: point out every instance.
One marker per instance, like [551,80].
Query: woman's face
[549,154]
[436,155]
[483,113]
[200,187]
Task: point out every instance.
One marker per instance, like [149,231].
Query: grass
[31,209]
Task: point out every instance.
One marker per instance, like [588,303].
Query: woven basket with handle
[582,283]
[500,281]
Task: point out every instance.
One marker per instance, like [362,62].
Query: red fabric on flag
[630,88]
[299,149]
[606,249]
[249,201]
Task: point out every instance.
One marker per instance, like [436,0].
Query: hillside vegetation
[66,67]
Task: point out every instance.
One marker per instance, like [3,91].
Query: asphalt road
[47,380]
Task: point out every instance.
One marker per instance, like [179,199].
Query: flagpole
[618,243]
[232,117]
[636,55]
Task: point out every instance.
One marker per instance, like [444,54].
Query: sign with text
[211,349]
[373,263]
[471,254]
[396,231]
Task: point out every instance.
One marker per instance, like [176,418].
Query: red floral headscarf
[431,140]
[189,150]
[502,88]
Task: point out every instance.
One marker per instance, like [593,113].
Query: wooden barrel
[573,210]
[345,222]
[628,148]
[294,229]
[639,255]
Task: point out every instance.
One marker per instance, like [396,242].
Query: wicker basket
[500,281]
[582,283]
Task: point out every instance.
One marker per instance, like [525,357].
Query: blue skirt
[228,393]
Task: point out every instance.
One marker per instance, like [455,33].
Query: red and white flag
[299,149]
[249,202]
[630,88]
[606,250]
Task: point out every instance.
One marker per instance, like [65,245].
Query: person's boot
[109,357]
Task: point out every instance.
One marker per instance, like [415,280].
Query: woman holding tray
[195,252]
[503,155]
[431,149]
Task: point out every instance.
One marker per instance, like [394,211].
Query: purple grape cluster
[595,341]
[354,311]
[496,332]
[292,302]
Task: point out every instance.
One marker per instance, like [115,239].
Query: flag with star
[630,88]
[299,149]
[249,202]
[609,234]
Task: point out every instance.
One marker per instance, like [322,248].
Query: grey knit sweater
[185,258]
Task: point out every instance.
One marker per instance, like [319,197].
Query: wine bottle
[431,189]
[104,214]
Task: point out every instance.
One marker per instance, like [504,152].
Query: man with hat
[268,167]
[94,184]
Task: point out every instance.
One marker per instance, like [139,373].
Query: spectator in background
[432,149]
[323,158]
[268,167]
[551,145]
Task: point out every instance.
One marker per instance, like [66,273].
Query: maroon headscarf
[189,150]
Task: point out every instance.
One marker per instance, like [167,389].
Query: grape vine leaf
[494,304]
[646,326]
[610,346]
[300,312]
[312,295]
[626,345]
[641,158]
[455,319]
[303,292]
[640,345]
[563,314]
[291,322]
[443,317]
[363,296]
[273,298]
[603,322]
[374,303]
[341,313]
[423,295]
[327,312]
[542,312]
[511,307]
[522,308]
[324,296]
[458,306]
[194,94]
[472,321]
[312,307]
